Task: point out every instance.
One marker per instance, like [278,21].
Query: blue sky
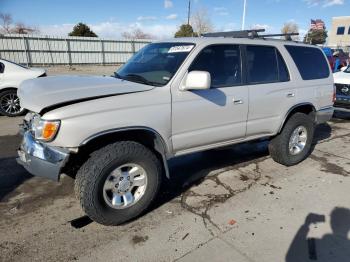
[162,17]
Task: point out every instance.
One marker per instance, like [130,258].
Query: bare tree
[21,28]
[201,21]
[6,22]
[290,27]
[7,26]
[136,34]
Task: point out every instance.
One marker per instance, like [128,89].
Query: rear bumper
[342,106]
[325,114]
[40,159]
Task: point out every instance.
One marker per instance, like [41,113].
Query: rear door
[270,90]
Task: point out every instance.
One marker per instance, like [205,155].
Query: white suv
[115,134]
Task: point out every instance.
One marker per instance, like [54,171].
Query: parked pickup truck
[115,134]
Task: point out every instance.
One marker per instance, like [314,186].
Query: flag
[317,24]
[313,24]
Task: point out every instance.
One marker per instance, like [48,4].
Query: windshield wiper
[116,75]
[141,79]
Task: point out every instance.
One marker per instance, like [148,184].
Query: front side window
[310,61]
[340,30]
[2,68]
[262,64]
[155,64]
[223,62]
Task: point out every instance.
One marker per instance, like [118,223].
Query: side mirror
[197,80]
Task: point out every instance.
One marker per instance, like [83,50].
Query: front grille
[343,90]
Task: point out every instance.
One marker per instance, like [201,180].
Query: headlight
[44,130]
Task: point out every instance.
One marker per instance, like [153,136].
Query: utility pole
[189,12]
[243,17]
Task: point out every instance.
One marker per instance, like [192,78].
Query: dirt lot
[233,204]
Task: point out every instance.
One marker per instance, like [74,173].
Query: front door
[202,118]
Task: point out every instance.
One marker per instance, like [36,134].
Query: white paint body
[15,74]
[187,121]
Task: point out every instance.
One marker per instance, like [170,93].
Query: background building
[339,35]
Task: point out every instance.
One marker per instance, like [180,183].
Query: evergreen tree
[82,29]
[185,30]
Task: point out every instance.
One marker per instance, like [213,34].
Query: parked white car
[342,83]
[11,76]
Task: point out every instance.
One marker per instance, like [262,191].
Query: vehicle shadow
[341,116]
[213,95]
[11,174]
[333,247]
[192,169]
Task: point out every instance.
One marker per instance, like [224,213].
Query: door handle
[237,102]
[290,95]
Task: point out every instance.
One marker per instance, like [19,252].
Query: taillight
[334,94]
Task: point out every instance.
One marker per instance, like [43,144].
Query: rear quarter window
[310,62]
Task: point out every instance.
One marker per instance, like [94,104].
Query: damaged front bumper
[42,160]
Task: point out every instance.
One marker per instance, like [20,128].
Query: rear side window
[2,68]
[310,62]
[223,62]
[263,64]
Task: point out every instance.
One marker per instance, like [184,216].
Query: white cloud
[267,28]
[113,30]
[146,18]
[171,17]
[168,4]
[333,2]
[324,3]
[221,11]
[260,26]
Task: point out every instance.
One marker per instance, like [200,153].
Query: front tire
[293,144]
[118,182]
[9,104]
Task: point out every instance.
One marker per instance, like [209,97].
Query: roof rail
[236,34]
[248,34]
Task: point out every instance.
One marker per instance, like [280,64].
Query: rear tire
[9,104]
[104,188]
[293,144]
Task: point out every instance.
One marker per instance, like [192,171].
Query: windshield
[155,64]
[347,70]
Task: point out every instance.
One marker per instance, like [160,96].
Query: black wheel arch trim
[159,144]
[291,110]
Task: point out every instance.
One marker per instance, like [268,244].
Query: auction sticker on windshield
[181,48]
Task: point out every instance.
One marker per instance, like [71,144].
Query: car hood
[56,91]
[341,78]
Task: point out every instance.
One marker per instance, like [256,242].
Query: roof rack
[248,34]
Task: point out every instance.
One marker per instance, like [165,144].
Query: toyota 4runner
[114,135]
